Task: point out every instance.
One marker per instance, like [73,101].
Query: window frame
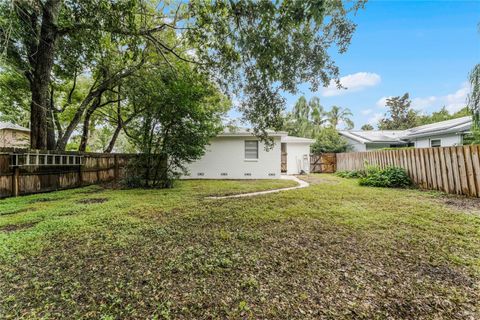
[245,150]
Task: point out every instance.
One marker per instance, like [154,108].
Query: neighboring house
[239,154]
[13,136]
[440,134]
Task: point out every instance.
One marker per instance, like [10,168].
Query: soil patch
[17,227]
[461,203]
[92,200]
[445,273]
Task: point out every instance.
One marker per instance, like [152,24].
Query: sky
[425,48]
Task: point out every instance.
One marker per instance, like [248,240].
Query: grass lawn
[333,250]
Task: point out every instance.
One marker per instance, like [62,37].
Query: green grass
[333,250]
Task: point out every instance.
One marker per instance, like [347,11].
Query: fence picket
[467,153]
[450,169]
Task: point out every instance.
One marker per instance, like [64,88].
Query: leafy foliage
[390,177]
[442,115]
[337,115]
[367,127]
[253,49]
[182,112]
[306,119]
[474,102]
[400,115]
[353,174]
[329,140]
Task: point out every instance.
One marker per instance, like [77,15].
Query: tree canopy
[254,50]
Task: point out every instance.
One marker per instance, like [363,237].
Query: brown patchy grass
[331,251]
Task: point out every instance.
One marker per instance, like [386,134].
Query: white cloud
[423,103]
[382,101]
[366,112]
[453,101]
[458,99]
[375,119]
[352,82]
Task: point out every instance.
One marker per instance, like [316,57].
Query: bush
[390,177]
[354,174]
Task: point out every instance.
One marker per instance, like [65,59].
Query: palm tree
[338,114]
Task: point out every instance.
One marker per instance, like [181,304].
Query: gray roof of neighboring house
[374,136]
[390,136]
[449,126]
[11,126]
[292,139]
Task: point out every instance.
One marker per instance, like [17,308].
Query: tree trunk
[114,138]
[51,124]
[62,141]
[42,69]
[86,124]
[119,124]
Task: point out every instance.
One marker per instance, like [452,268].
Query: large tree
[474,102]
[253,49]
[305,119]
[182,112]
[400,115]
[337,114]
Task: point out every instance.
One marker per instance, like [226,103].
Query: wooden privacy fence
[454,170]
[27,172]
[323,163]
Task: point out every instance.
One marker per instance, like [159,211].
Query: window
[434,143]
[251,149]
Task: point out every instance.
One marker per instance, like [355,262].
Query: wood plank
[428,170]
[432,169]
[422,168]
[476,167]
[443,170]
[462,171]
[455,169]
[438,171]
[450,174]
[472,188]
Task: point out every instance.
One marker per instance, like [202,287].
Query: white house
[440,134]
[239,154]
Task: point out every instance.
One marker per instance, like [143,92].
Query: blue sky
[425,48]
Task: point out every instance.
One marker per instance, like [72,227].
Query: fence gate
[323,163]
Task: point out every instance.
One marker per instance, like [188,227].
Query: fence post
[16,181]
[115,170]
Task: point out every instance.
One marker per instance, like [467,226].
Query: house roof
[245,132]
[442,127]
[378,136]
[292,139]
[390,136]
[11,126]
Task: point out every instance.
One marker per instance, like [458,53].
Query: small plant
[390,177]
[354,174]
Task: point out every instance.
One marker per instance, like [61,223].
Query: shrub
[390,177]
[354,174]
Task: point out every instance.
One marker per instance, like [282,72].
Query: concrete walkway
[301,184]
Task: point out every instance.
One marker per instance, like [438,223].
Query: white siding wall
[227,155]
[298,157]
[447,141]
